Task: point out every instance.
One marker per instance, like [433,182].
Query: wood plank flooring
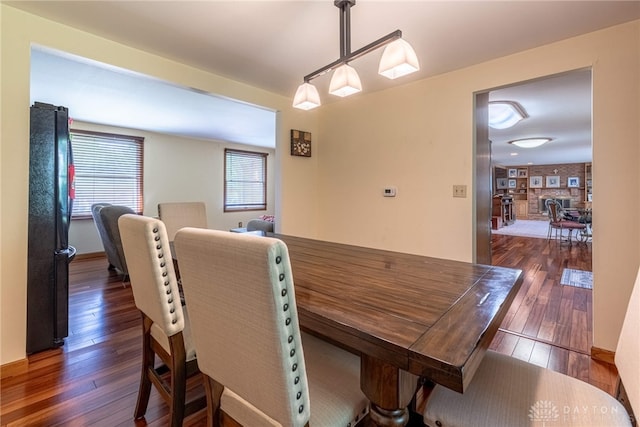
[93,379]
[550,324]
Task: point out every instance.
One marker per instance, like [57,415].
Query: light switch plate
[460,191]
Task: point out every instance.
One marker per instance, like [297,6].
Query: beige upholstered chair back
[183,214]
[153,279]
[628,351]
[244,319]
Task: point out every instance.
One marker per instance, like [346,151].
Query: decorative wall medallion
[300,143]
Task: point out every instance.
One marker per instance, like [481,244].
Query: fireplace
[565,202]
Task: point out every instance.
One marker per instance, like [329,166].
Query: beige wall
[19,31]
[415,137]
[179,170]
[418,137]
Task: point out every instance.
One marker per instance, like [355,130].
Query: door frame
[482,180]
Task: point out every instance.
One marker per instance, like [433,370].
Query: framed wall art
[513,173]
[535,182]
[501,183]
[573,182]
[300,143]
[553,181]
[512,183]
[522,173]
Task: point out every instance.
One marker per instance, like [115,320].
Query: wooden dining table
[407,316]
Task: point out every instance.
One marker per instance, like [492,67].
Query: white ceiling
[559,107]
[96,93]
[273,44]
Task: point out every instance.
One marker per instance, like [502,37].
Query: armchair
[106,220]
[102,232]
[261,224]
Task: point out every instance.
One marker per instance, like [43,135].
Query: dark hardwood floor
[93,379]
[550,324]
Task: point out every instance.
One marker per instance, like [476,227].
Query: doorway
[556,107]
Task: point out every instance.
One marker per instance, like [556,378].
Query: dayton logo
[544,411]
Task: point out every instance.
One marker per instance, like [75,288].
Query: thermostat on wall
[389,192]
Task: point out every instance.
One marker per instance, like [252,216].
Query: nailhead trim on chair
[293,354]
[165,273]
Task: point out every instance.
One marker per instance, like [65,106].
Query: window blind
[245,183]
[109,168]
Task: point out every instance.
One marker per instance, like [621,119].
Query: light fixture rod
[355,55]
[398,59]
[345,25]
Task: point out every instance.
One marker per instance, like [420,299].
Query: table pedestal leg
[388,417]
[389,389]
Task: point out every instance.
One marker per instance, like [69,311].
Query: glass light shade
[345,81]
[398,59]
[503,115]
[307,97]
[530,142]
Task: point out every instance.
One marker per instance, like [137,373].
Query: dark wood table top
[431,317]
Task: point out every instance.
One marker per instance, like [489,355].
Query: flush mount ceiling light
[504,114]
[530,142]
[398,59]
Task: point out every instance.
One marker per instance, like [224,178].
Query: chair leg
[178,380]
[213,390]
[173,393]
[148,359]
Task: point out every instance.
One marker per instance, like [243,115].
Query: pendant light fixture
[307,97]
[398,59]
[345,81]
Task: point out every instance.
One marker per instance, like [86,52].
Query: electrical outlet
[459,191]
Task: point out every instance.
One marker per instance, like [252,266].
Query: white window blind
[245,183]
[108,169]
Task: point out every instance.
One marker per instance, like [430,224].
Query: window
[245,180]
[108,169]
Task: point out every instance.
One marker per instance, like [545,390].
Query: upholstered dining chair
[558,223]
[182,214]
[510,392]
[165,323]
[259,370]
